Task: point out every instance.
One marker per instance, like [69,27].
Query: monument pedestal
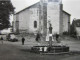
[47,49]
[51,48]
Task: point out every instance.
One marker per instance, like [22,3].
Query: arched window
[35,24]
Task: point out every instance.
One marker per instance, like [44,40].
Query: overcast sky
[70,6]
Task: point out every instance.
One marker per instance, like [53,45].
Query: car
[12,38]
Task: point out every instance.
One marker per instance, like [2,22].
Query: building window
[35,24]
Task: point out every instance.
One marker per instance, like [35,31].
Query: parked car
[12,38]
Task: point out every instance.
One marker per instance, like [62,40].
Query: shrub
[65,33]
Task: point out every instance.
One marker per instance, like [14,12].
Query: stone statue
[50,29]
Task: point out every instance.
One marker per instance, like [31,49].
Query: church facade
[36,18]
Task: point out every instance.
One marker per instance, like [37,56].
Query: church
[36,18]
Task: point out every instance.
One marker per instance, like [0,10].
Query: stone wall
[66,22]
[26,19]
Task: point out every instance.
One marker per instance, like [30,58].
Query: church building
[36,18]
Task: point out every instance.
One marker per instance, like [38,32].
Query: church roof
[35,4]
[27,7]
[66,13]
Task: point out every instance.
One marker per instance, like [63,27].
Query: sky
[70,6]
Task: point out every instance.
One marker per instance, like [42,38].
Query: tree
[6,9]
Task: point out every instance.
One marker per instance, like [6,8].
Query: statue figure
[50,29]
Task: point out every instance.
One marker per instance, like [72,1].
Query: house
[76,27]
[38,16]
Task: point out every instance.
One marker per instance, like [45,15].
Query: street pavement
[17,51]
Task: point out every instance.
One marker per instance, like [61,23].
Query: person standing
[2,40]
[38,37]
[57,36]
[23,39]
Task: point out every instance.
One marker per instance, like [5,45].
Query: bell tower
[50,11]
